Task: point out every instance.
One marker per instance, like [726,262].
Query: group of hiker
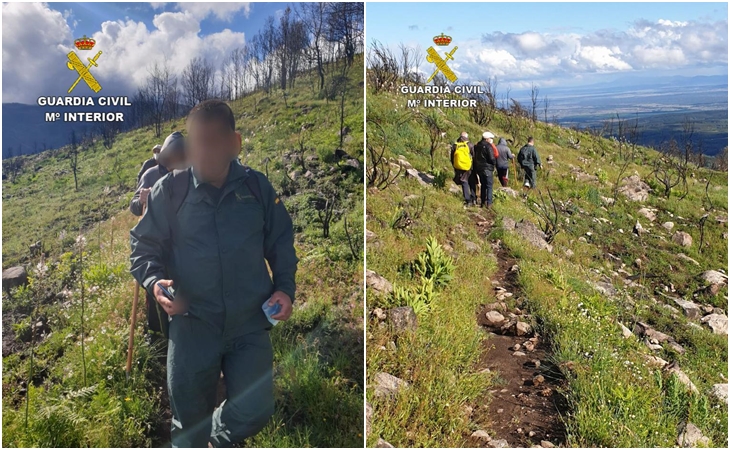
[476,163]
[210,230]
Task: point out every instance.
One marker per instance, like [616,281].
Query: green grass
[439,359]
[318,353]
[615,399]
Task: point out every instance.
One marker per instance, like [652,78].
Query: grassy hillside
[598,275]
[78,392]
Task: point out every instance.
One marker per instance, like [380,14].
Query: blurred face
[176,162]
[212,145]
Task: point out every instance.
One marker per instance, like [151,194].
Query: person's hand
[286,305]
[143,194]
[171,307]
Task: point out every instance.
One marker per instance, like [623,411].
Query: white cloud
[223,11]
[33,37]
[525,57]
[129,50]
[602,58]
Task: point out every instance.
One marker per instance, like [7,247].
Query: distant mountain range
[660,103]
[25,130]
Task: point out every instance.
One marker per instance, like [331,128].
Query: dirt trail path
[524,407]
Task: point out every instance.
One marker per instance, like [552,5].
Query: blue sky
[132,36]
[557,44]
[88,16]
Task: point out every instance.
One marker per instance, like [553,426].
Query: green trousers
[197,353]
[530,176]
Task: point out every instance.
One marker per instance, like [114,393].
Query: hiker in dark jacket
[150,163]
[171,157]
[485,157]
[505,155]
[529,161]
[209,233]
[463,167]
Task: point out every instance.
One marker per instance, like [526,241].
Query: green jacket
[528,157]
[218,262]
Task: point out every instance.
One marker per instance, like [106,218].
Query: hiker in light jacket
[505,155]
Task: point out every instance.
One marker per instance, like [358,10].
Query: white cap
[487,135]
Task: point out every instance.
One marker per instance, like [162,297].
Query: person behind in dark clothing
[172,156]
[150,163]
[505,155]
[485,157]
[462,155]
[213,232]
[529,161]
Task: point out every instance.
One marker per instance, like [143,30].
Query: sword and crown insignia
[436,59]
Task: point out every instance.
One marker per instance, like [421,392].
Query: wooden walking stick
[135,302]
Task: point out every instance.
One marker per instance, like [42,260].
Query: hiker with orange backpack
[462,156]
[485,157]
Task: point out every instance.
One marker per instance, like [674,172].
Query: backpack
[177,190]
[462,156]
[523,155]
[485,155]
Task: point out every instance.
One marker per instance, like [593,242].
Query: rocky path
[524,407]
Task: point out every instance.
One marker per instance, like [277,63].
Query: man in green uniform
[209,233]
[529,161]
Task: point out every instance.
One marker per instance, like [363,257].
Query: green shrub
[434,264]
[439,179]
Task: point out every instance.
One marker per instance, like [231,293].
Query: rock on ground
[691,309]
[403,318]
[714,277]
[481,435]
[498,443]
[368,418]
[382,443]
[377,283]
[470,246]
[684,257]
[509,191]
[649,214]
[719,391]
[625,331]
[668,226]
[14,277]
[494,319]
[387,385]
[605,288]
[635,189]
[681,377]
[530,233]
[522,328]
[691,436]
[682,238]
[716,322]
[423,178]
